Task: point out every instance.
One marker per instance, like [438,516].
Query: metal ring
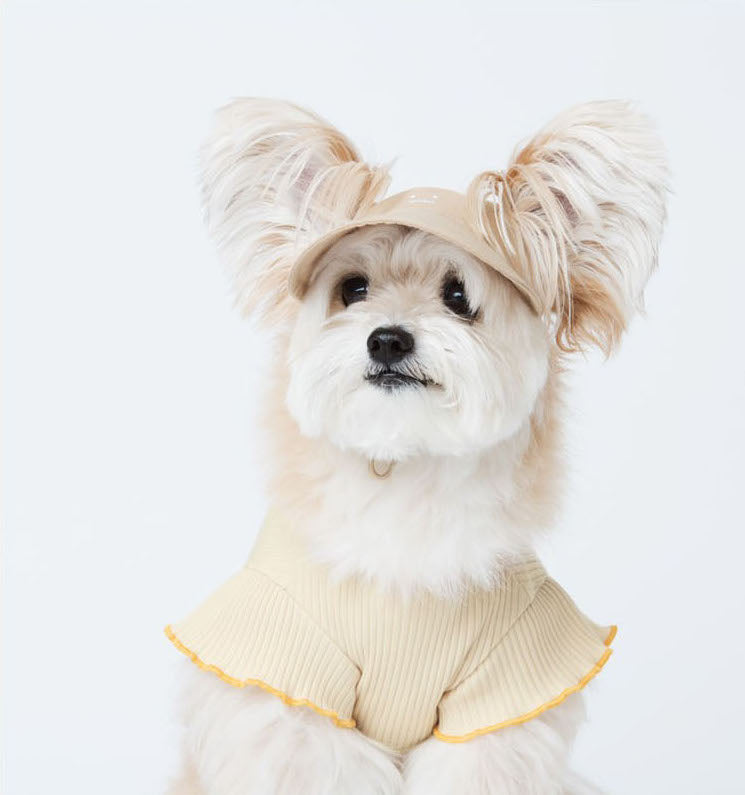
[381,474]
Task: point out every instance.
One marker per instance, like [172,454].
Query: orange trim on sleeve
[462,738]
[292,702]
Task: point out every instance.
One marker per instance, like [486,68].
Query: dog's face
[406,344]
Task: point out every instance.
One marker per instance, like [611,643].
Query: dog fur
[477,447]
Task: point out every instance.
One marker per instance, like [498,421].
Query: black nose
[389,344]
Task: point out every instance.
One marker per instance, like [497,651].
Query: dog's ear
[579,213]
[275,177]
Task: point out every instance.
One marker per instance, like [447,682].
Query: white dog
[414,419]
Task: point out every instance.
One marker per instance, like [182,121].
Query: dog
[393,632]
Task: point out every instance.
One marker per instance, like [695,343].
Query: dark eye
[455,299]
[353,289]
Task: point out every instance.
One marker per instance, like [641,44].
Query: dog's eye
[455,299]
[353,289]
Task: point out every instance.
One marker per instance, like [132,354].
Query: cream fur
[247,741]
[530,759]
[477,451]
[460,447]
[580,212]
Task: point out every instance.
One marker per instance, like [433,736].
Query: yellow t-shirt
[400,669]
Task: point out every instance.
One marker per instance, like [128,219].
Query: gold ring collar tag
[381,469]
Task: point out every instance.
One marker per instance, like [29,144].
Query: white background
[131,482]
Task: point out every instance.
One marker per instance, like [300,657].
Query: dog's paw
[527,759]
[247,742]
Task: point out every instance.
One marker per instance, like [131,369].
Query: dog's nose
[389,344]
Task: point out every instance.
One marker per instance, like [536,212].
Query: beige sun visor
[435,210]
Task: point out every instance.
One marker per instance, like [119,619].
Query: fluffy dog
[414,422]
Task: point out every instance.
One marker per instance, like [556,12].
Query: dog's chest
[360,655]
[407,651]
[399,669]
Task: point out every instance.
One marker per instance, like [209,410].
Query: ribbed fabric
[396,668]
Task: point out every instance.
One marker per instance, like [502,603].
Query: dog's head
[405,343]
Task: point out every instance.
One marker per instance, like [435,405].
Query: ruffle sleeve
[252,632]
[551,651]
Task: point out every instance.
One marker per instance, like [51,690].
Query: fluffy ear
[579,212]
[276,176]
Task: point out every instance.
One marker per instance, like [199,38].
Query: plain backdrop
[132,483]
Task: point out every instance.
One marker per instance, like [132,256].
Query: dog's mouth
[392,379]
